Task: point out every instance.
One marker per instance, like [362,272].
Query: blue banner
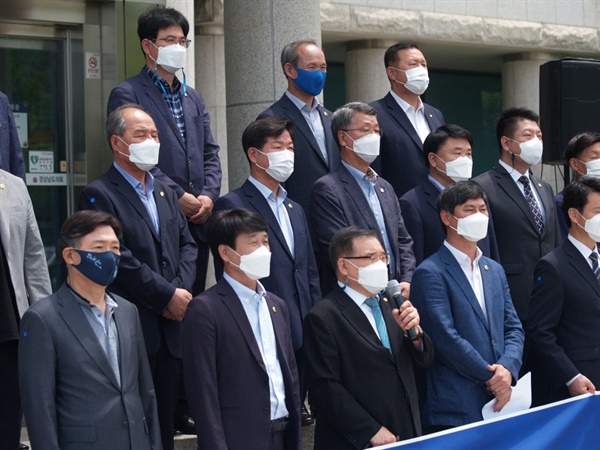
[570,424]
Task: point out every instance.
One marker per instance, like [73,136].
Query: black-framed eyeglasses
[385,258]
[170,40]
[365,131]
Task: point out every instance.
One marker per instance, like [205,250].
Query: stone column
[521,88]
[255,33]
[186,7]
[366,79]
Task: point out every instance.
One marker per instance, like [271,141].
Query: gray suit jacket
[22,243]
[70,394]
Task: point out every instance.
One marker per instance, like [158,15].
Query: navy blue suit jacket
[192,166]
[151,267]
[401,160]
[337,201]
[11,156]
[309,163]
[519,242]
[465,341]
[562,329]
[293,278]
[425,227]
[226,382]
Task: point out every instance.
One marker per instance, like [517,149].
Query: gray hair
[115,123]
[342,118]
[289,54]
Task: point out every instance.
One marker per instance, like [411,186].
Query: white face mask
[460,169]
[171,58]
[255,265]
[473,228]
[373,278]
[143,154]
[417,79]
[592,227]
[281,164]
[592,168]
[531,150]
[366,147]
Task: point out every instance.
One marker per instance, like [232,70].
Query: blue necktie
[373,303]
[595,267]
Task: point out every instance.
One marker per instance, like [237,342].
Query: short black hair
[576,195]
[83,223]
[226,225]
[157,18]
[342,242]
[579,143]
[256,134]
[507,123]
[391,54]
[439,136]
[457,194]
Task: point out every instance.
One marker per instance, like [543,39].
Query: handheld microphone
[394,291]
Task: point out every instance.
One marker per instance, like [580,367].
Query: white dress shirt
[515,175]
[416,116]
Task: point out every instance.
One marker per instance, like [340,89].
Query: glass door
[42,75]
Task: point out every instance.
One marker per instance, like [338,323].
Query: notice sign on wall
[92,65]
[48,179]
[41,162]
[19,111]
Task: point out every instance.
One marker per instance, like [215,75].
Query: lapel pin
[539,184]
[385,299]
[2,186]
[162,194]
[325,113]
[431,116]
[486,267]
[290,205]
[274,309]
[382,190]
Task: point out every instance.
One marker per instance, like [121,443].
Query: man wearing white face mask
[189,162]
[405,119]
[564,314]
[158,254]
[583,156]
[525,216]
[360,359]
[354,195]
[448,154]
[466,307]
[238,362]
[268,144]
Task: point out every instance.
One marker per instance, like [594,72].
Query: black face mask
[99,267]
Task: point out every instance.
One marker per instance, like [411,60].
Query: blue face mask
[310,81]
[99,267]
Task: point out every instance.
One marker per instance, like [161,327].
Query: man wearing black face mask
[158,255]
[84,375]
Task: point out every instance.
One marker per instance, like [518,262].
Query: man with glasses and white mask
[354,195]
[466,308]
[406,119]
[359,354]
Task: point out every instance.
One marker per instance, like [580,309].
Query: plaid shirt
[172,97]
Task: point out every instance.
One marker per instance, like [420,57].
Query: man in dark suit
[447,152]
[565,304]
[189,161]
[11,155]
[583,156]
[464,300]
[305,68]
[158,255]
[354,195]
[294,277]
[522,204]
[83,371]
[238,359]
[405,119]
[360,359]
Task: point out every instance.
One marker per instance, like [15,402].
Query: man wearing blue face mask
[84,375]
[466,308]
[405,118]
[158,255]
[354,195]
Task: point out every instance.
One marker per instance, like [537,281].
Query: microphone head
[393,288]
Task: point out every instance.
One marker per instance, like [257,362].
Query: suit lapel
[545,197]
[233,304]
[155,94]
[125,353]
[4,213]
[400,116]
[75,319]
[330,144]
[162,207]
[581,266]
[356,195]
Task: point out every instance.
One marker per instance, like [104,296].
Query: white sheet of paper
[520,400]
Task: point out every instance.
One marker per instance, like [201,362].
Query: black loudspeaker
[569,103]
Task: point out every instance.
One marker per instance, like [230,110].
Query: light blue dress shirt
[313,119]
